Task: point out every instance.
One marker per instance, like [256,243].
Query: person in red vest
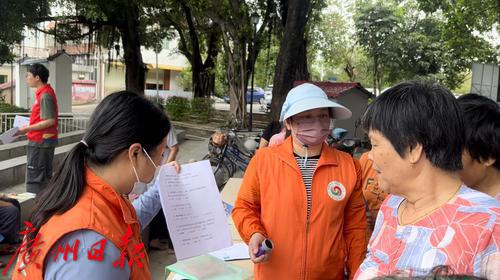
[42,130]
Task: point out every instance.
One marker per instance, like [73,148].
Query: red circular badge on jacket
[336,190]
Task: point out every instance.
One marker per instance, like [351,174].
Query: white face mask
[141,187]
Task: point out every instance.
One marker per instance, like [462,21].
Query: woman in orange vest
[82,226]
[304,196]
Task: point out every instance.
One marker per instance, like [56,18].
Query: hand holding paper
[193,209]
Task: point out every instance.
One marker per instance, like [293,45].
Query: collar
[42,89]
[111,196]
[328,156]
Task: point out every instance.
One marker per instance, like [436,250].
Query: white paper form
[193,209]
[10,135]
[20,121]
[239,251]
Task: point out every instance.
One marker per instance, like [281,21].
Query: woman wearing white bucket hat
[304,196]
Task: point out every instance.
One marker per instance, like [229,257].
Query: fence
[67,122]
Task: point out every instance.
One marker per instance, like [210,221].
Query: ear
[288,124]
[489,162]
[415,154]
[133,151]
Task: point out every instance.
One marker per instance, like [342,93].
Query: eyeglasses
[311,119]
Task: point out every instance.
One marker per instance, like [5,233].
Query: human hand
[176,165]
[23,130]
[253,247]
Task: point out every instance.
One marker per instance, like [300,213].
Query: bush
[178,108]
[7,108]
[201,108]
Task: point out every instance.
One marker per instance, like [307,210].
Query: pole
[157,81]
[253,75]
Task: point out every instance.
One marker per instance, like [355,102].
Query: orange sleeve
[355,226]
[246,211]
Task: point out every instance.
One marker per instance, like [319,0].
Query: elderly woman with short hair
[430,218]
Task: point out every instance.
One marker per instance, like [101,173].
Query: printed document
[193,209]
[10,135]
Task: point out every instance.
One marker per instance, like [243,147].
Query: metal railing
[67,122]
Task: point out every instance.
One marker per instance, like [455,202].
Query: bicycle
[228,153]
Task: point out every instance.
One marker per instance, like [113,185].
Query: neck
[490,185]
[39,86]
[113,175]
[300,150]
[431,187]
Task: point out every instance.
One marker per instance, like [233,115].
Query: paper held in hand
[193,209]
[10,135]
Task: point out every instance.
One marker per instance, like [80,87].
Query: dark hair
[482,127]
[120,120]
[39,70]
[420,112]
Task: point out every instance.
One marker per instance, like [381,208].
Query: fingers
[176,165]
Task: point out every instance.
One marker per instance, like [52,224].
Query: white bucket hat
[307,97]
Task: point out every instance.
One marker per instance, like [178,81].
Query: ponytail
[117,123]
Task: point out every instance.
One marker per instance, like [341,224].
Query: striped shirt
[307,171]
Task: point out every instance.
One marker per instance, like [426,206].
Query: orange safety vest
[101,209]
[272,200]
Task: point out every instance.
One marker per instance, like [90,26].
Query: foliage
[202,109]
[8,108]
[186,79]
[15,15]
[378,24]
[434,39]
[178,108]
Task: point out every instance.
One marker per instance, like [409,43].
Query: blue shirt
[146,206]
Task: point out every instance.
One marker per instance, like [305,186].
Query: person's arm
[263,142]
[369,267]
[173,153]
[246,211]
[47,114]
[355,226]
[148,204]
[83,268]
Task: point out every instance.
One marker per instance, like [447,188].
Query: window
[3,79]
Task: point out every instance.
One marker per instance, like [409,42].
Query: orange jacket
[272,200]
[101,209]
[373,194]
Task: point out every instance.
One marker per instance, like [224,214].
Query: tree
[15,15]
[462,26]
[293,55]
[108,22]
[334,42]
[198,37]
[233,18]
[377,26]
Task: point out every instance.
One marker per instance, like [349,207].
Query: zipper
[308,218]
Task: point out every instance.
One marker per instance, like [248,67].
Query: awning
[164,67]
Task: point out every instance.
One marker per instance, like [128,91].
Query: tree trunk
[375,74]
[204,72]
[135,69]
[292,59]
[236,78]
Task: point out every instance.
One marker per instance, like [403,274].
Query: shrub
[7,108]
[178,108]
[201,108]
